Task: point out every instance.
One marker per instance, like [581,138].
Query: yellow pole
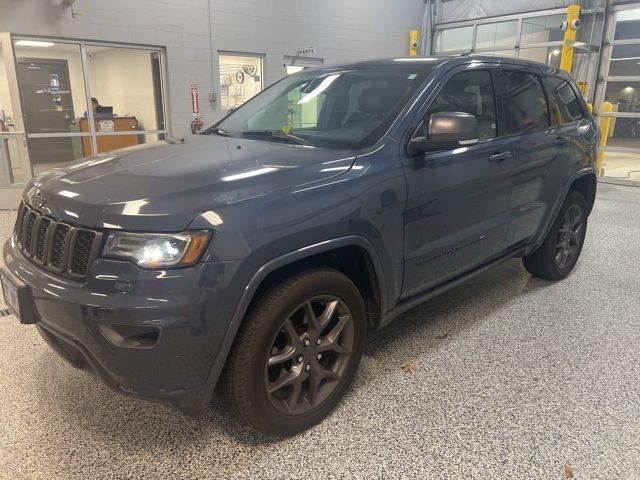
[413,43]
[604,122]
[573,12]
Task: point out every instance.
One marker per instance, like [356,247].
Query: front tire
[296,353]
[559,252]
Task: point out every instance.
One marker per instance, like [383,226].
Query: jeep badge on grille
[38,200]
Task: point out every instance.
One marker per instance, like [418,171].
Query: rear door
[457,212]
[542,151]
[570,119]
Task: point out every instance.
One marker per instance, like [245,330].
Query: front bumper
[190,308]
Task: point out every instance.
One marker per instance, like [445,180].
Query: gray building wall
[193,31]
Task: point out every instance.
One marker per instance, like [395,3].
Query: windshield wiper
[278,135]
[216,131]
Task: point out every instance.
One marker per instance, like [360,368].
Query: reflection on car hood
[162,186]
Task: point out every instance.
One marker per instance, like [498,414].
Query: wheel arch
[586,184]
[346,254]
[584,181]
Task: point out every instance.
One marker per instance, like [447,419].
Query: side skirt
[415,300]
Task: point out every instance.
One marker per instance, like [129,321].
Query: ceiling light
[33,43]
[556,52]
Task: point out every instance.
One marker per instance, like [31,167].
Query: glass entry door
[47,106]
[61,100]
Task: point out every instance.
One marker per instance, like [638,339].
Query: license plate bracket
[18,297]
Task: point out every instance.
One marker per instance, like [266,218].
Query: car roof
[428,63]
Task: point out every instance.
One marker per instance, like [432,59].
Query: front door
[47,108]
[457,213]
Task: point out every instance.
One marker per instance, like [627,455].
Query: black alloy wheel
[296,353]
[557,255]
[569,236]
[309,354]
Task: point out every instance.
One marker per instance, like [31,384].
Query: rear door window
[564,104]
[522,104]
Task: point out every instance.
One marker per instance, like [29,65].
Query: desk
[110,142]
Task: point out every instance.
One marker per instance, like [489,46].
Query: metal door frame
[10,64]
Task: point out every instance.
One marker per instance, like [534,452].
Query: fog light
[130,336]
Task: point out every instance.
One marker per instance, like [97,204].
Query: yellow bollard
[604,123]
[413,43]
[566,60]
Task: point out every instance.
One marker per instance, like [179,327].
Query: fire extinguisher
[196,125]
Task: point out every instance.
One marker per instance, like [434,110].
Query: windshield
[346,109]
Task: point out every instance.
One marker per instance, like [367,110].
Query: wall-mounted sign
[306,51]
[194,99]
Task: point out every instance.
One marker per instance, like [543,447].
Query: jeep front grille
[56,246]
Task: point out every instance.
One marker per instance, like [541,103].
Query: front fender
[259,276]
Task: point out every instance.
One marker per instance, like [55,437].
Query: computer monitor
[104,112]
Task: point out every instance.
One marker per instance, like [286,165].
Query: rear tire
[296,353]
[559,252]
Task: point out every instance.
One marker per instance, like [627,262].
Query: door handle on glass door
[500,156]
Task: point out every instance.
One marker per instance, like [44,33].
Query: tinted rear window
[522,104]
[563,101]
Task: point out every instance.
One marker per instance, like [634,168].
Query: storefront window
[624,95]
[501,53]
[51,86]
[454,39]
[13,161]
[546,55]
[625,61]
[622,88]
[493,35]
[125,84]
[542,29]
[60,101]
[240,79]
[627,22]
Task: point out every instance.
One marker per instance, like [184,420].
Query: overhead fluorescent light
[33,43]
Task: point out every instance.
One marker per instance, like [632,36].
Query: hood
[163,186]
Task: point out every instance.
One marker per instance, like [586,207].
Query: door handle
[499,157]
[560,141]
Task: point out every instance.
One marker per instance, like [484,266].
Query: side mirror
[446,131]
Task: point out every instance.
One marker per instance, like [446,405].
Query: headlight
[157,250]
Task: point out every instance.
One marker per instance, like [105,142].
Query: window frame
[434,95]
[8,41]
[261,57]
[538,77]
[576,94]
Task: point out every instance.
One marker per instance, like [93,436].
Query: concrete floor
[516,378]
[622,166]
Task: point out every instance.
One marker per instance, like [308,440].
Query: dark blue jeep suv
[255,257]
